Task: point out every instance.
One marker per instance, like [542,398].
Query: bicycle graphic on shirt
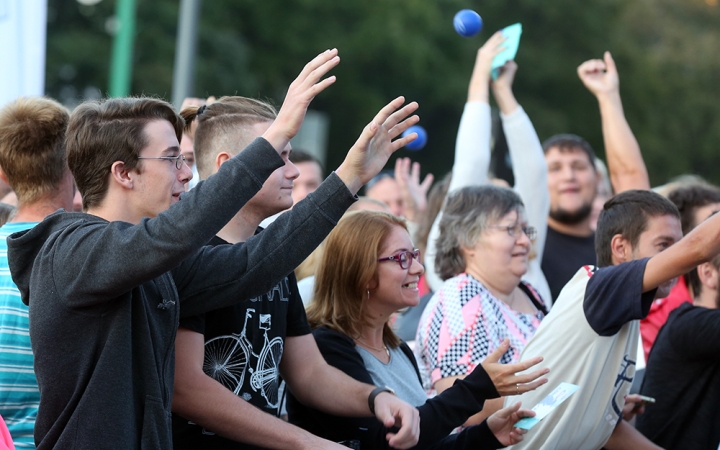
[227,358]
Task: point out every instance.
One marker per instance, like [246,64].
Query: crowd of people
[268,306]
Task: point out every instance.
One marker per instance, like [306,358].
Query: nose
[523,239]
[568,173]
[292,171]
[416,268]
[185,173]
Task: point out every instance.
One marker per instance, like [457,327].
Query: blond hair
[222,126]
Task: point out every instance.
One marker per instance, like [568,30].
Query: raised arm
[414,193]
[625,162]
[529,169]
[472,147]
[207,282]
[119,256]
[699,246]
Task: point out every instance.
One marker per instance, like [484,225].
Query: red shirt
[659,312]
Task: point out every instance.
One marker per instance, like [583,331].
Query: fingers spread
[316,62]
[427,182]
[498,352]
[528,377]
[403,141]
[398,115]
[525,365]
[402,126]
[388,109]
[523,388]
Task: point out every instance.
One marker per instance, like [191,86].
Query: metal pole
[122,52]
[183,75]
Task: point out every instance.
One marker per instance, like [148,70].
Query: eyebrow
[665,238]
[173,149]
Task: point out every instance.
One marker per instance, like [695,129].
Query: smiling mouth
[413,285]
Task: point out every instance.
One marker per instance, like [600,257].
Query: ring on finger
[517,389]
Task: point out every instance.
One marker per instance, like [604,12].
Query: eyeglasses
[515,230]
[179,159]
[403,258]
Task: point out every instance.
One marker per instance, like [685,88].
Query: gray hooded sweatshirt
[105,298]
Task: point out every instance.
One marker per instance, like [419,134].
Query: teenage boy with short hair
[228,361]
[106,286]
[590,339]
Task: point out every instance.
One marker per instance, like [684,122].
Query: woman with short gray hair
[482,254]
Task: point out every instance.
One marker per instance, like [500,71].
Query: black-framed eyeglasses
[403,258]
[515,230]
[179,159]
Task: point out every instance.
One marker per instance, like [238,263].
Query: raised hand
[413,192]
[301,92]
[503,375]
[502,422]
[506,77]
[375,145]
[600,76]
[393,412]
[479,82]
[502,88]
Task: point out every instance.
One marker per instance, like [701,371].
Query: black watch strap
[375,392]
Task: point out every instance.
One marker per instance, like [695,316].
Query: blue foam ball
[420,141]
[467,23]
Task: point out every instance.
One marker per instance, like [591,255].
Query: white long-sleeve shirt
[472,161]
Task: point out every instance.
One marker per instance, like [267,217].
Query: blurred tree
[666,52]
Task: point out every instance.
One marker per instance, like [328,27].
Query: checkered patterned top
[463,323]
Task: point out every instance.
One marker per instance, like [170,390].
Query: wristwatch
[375,392]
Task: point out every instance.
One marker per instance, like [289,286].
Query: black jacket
[438,416]
[105,298]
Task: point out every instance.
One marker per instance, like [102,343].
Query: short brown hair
[32,146]
[221,126]
[570,143]
[627,214]
[105,131]
[348,265]
[690,198]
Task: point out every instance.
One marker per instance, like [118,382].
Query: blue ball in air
[467,23]
[420,141]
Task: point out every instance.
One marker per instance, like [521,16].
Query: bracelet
[375,392]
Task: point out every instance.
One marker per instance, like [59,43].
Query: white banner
[23,26]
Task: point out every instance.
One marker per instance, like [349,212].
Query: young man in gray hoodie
[105,288]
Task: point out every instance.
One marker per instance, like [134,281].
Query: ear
[708,275]
[122,176]
[3,176]
[372,285]
[221,158]
[621,249]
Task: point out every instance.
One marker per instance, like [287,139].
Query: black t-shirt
[683,376]
[243,347]
[563,256]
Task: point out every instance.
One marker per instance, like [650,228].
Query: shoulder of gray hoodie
[95,261]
